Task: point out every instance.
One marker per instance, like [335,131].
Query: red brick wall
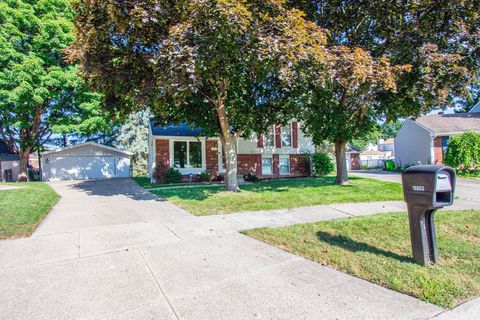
[211,147]
[278,139]
[247,163]
[276,162]
[299,165]
[162,159]
[295,134]
[437,151]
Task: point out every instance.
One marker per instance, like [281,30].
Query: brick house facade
[282,153]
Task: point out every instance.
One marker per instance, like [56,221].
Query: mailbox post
[426,189]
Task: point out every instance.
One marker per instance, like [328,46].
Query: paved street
[111,250]
[467,189]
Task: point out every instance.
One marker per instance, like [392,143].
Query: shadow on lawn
[357,246]
[276,186]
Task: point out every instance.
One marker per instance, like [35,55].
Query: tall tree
[133,137]
[216,64]
[38,89]
[428,52]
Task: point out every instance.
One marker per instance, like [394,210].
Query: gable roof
[6,154]
[388,141]
[102,146]
[4,149]
[181,130]
[475,108]
[450,123]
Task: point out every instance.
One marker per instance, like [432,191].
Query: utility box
[426,189]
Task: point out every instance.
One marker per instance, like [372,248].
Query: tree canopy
[40,94]
[219,65]
[404,59]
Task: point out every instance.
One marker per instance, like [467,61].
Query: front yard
[277,194]
[377,248]
[22,209]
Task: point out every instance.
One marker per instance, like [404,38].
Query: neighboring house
[280,153]
[475,108]
[85,161]
[424,141]
[9,164]
[387,146]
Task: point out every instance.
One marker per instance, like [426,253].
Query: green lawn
[22,209]
[278,194]
[145,183]
[377,248]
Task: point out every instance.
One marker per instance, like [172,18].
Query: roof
[4,149]
[6,154]
[475,108]
[388,141]
[9,157]
[102,146]
[450,123]
[181,130]
[375,153]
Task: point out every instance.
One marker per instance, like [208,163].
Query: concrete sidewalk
[111,250]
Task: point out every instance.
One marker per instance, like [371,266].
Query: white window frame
[284,156]
[272,145]
[271,166]
[188,169]
[289,125]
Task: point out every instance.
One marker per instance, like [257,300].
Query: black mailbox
[426,188]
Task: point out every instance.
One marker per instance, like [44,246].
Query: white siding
[11,165]
[413,145]
[249,146]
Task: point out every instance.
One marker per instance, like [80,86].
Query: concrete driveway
[110,250]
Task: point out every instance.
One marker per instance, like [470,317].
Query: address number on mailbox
[418,188]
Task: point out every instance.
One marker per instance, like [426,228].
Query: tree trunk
[22,173]
[341,160]
[229,141]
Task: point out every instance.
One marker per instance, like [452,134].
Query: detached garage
[85,161]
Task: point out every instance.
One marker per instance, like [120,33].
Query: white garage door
[82,167]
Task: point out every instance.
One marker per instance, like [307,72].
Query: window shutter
[278,139]
[294,134]
[259,141]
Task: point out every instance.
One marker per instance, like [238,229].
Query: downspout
[432,149]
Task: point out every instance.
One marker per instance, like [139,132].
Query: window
[267,166]
[284,164]
[269,138]
[286,136]
[187,154]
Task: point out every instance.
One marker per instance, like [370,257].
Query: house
[9,164]
[388,147]
[280,153]
[424,140]
[85,161]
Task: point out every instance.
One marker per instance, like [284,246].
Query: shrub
[173,176]
[250,177]
[463,153]
[322,164]
[205,176]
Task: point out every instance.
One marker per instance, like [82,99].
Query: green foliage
[414,56]
[463,153]
[133,137]
[205,176]
[173,176]
[40,93]
[22,209]
[251,177]
[322,164]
